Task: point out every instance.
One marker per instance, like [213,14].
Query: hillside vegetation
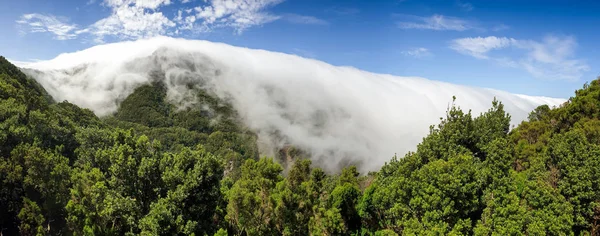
[154,168]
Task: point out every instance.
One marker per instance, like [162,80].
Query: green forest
[155,169]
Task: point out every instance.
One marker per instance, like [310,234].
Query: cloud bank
[135,19]
[551,58]
[338,114]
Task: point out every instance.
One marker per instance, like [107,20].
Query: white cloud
[418,52]
[134,19]
[22,63]
[187,22]
[287,100]
[500,27]
[479,47]
[307,20]
[551,58]
[150,4]
[465,6]
[436,22]
[240,14]
[35,23]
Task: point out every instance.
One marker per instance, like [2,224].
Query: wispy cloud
[343,10]
[434,22]
[551,58]
[302,19]
[36,23]
[500,27]
[132,19]
[418,52]
[465,6]
[479,47]
[240,15]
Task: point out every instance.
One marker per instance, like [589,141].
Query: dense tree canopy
[160,168]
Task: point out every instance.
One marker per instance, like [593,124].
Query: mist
[337,114]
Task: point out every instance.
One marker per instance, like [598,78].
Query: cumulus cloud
[35,23]
[306,20]
[418,52]
[187,22]
[134,19]
[551,58]
[240,14]
[435,22]
[337,114]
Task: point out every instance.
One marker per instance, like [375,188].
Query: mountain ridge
[307,103]
[64,170]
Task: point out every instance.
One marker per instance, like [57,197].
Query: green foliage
[14,84]
[79,116]
[191,179]
[559,147]
[162,167]
[385,232]
[525,207]
[539,113]
[250,207]
[221,232]
[65,171]
[294,198]
[41,177]
[146,106]
[31,219]
[579,165]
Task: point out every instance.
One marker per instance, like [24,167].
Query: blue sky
[536,47]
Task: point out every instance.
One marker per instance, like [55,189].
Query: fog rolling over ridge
[335,113]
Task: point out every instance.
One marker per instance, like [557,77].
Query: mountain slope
[471,176]
[65,171]
[160,167]
[336,114]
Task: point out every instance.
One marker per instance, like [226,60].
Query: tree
[250,208]
[32,220]
[525,207]
[192,180]
[579,181]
